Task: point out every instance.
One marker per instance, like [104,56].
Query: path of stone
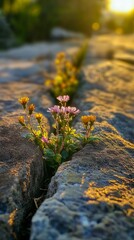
[90,197]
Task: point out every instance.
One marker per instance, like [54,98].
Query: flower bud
[60,55]
[86,119]
[38,116]
[21,120]
[31,108]
[45,140]
[23,101]
[92,119]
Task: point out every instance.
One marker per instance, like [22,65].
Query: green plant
[66,79]
[59,145]
[80,55]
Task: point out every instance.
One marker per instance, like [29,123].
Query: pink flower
[55,109]
[45,140]
[72,110]
[64,98]
[63,110]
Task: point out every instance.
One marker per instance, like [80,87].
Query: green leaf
[29,136]
[49,153]
[54,126]
[92,139]
[64,154]
[58,158]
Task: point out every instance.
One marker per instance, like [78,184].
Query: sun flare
[121,6]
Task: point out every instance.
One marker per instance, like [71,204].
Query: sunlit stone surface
[91,197]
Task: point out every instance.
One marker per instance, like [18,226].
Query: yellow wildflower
[74,69]
[23,101]
[48,83]
[92,119]
[31,108]
[84,119]
[87,119]
[21,120]
[38,116]
[73,80]
[69,65]
[63,85]
[58,79]
[60,55]
[57,61]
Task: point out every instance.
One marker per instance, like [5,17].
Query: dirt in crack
[25,228]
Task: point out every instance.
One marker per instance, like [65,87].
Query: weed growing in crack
[80,56]
[59,145]
[66,79]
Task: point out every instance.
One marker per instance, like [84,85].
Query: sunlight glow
[121,6]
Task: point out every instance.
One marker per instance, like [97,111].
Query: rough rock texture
[21,163]
[112,47]
[91,196]
[21,174]
[22,73]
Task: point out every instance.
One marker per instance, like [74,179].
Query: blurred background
[25,21]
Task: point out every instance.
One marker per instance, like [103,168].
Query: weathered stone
[16,70]
[21,163]
[91,196]
[21,175]
[37,51]
[58,33]
[112,47]
[125,57]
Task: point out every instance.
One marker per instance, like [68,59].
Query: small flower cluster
[88,122]
[23,101]
[60,144]
[38,116]
[29,112]
[64,110]
[65,80]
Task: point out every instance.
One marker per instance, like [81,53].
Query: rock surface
[58,33]
[37,50]
[21,164]
[21,174]
[91,196]
[22,73]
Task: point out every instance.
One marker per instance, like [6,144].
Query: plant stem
[88,132]
[62,146]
